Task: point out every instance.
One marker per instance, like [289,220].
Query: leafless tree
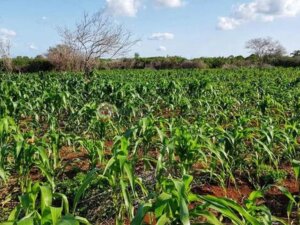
[64,58]
[97,36]
[265,47]
[5,47]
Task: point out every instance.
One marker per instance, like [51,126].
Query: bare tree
[64,58]
[97,36]
[5,47]
[265,47]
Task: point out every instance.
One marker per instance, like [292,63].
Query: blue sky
[190,28]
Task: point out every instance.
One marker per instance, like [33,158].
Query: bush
[29,65]
[57,61]
[193,64]
[287,61]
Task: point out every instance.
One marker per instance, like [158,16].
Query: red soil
[238,194]
[77,159]
[74,159]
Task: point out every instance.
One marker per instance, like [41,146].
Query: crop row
[139,147]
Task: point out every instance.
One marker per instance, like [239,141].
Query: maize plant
[124,146]
[37,207]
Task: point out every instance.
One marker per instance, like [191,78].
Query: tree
[97,36]
[136,55]
[265,47]
[296,53]
[5,47]
[64,58]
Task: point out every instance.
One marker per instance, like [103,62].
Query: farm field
[150,147]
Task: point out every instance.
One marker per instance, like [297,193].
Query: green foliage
[137,137]
[24,64]
[31,65]
[37,207]
[171,205]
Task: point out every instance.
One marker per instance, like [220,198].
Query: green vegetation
[142,146]
[31,65]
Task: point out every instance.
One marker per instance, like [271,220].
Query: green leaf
[82,220]
[142,211]
[184,211]
[3,174]
[161,204]
[46,197]
[56,214]
[211,218]
[163,220]
[287,193]
[187,180]
[26,201]
[48,175]
[290,209]
[44,156]
[14,214]
[255,195]
[296,167]
[108,165]
[26,221]
[68,220]
[86,182]
[225,207]
[128,171]
[160,134]
[124,194]
[19,144]
[278,220]
[65,202]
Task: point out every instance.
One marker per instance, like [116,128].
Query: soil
[77,160]
[238,194]
[169,113]
[108,147]
[74,161]
[274,199]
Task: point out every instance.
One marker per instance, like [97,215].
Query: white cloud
[7,33]
[32,47]
[263,10]
[44,18]
[161,36]
[123,7]
[227,23]
[170,3]
[161,49]
[131,7]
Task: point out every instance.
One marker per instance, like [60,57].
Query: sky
[188,28]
